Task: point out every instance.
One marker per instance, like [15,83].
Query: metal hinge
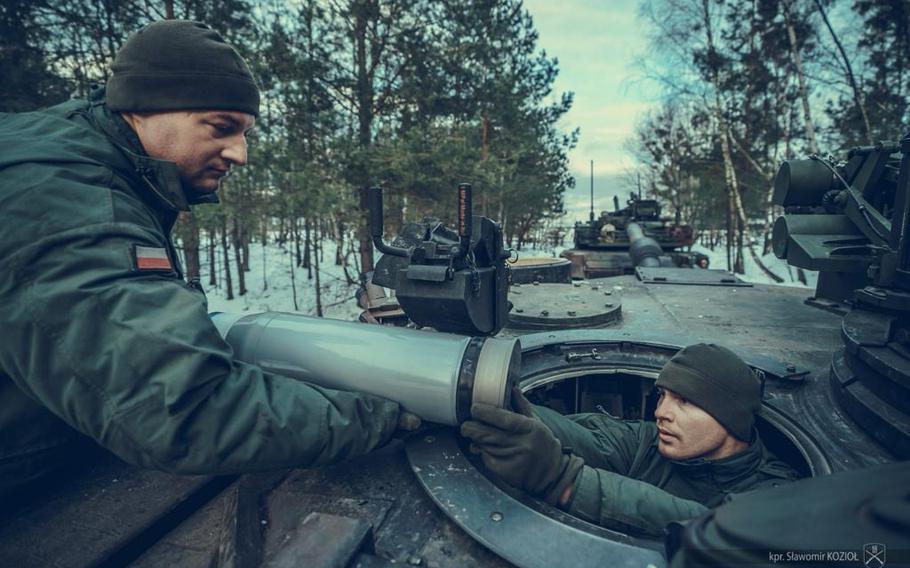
[593,354]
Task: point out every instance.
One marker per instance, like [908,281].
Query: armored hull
[422,500]
[602,245]
[603,263]
[836,407]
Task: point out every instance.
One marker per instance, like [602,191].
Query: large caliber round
[434,375]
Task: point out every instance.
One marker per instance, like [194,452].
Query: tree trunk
[344,267]
[504,220]
[485,138]
[364,96]
[307,244]
[316,261]
[263,241]
[265,280]
[735,205]
[227,260]
[238,257]
[245,248]
[295,227]
[848,70]
[366,242]
[189,238]
[282,231]
[321,234]
[739,263]
[728,240]
[213,279]
[740,222]
[293,268]
[800,76]
[769,178]
[339,250]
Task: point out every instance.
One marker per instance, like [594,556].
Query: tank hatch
[700,277]
[559,306]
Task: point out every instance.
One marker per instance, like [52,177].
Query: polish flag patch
[151,258]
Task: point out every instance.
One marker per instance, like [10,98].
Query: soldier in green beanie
[638,476]
[103,341]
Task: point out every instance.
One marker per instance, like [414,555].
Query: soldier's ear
[136,120]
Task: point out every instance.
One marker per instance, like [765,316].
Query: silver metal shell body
[418,369]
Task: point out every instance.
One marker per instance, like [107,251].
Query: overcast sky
[596,42]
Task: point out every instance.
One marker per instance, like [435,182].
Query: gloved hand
[408,422]
[520,449]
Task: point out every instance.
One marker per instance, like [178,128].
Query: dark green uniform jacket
[627,485]
[129,357]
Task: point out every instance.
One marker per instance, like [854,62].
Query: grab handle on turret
[465,219]
[375,204]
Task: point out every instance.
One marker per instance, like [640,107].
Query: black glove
[520,449]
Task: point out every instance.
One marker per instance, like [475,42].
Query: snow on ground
[273,264]
[718,259]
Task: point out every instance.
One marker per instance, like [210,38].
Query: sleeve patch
[151,258]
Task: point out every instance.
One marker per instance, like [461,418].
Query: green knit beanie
[718,381]
[180,65]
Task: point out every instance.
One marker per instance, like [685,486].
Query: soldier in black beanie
[180,65]
[103,339]
[189,98]
[633,475]
[726,392]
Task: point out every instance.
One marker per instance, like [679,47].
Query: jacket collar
[728,469]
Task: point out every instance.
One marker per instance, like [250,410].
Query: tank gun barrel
[643,249]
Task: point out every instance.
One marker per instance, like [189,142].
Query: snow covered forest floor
[718,259]
[270,288]
[272,265]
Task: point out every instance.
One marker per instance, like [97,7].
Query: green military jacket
[627,485]
[90,342]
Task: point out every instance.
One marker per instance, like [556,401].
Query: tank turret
[846,218]
[602,243]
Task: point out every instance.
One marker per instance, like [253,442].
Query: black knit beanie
[717,380]
[180,65]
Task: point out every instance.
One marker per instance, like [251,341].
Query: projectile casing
[434,375]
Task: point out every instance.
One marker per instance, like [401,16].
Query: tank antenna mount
[375,204]
[591,218]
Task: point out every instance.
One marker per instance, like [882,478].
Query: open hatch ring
[520,528]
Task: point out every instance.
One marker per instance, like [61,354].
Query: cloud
[596,43]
